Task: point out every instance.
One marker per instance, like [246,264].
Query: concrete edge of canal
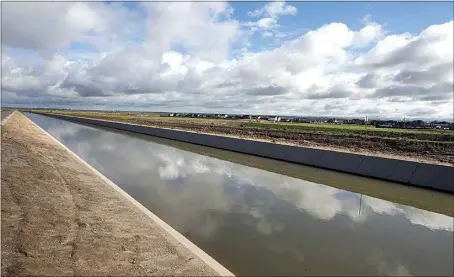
[20,223]
[432,176]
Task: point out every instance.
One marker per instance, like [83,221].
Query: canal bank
[59,217]
[424,175]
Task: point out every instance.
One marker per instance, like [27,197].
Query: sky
[355,59]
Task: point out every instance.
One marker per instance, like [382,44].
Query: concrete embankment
[431,176]
[61,217]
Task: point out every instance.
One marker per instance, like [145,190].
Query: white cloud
[268,25]
[274,9]
[267,34]
[368,34]
[44,27]
[83,16]
[158,62]
[50,27]
[199,28]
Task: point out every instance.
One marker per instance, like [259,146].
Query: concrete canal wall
[407,172]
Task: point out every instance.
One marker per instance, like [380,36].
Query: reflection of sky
[309,226]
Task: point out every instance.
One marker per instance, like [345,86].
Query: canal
[257,222]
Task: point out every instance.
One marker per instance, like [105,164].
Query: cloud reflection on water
[318,200]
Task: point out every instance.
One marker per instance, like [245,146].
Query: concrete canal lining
[431,176]
[60,216]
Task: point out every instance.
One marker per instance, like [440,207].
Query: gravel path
[59,218]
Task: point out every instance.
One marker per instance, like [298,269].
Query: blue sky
[308,58]
[398,17]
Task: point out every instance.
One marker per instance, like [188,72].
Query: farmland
[432,146]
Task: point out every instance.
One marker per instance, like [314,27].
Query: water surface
[256,222]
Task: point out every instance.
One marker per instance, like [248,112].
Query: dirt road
[59,218]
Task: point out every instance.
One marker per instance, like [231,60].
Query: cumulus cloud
[51,27]
[263,24]
[274,9]
[94,54]
[198,26]
[368,81]
[435,74]
[431,47]
[434,92]
[45,27]
[269,15]
[334,93]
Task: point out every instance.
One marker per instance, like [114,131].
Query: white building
[274,119]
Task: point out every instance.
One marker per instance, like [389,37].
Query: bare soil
[436,152]
[59,218]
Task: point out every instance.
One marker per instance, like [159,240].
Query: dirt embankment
[438,152]
[59,218]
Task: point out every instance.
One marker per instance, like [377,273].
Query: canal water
[256,222]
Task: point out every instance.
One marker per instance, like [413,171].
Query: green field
[339,128]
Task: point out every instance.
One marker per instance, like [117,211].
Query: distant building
[355,121]
[287,119]
[384,125]
[274,118]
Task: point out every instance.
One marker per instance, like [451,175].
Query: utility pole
[360,204]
